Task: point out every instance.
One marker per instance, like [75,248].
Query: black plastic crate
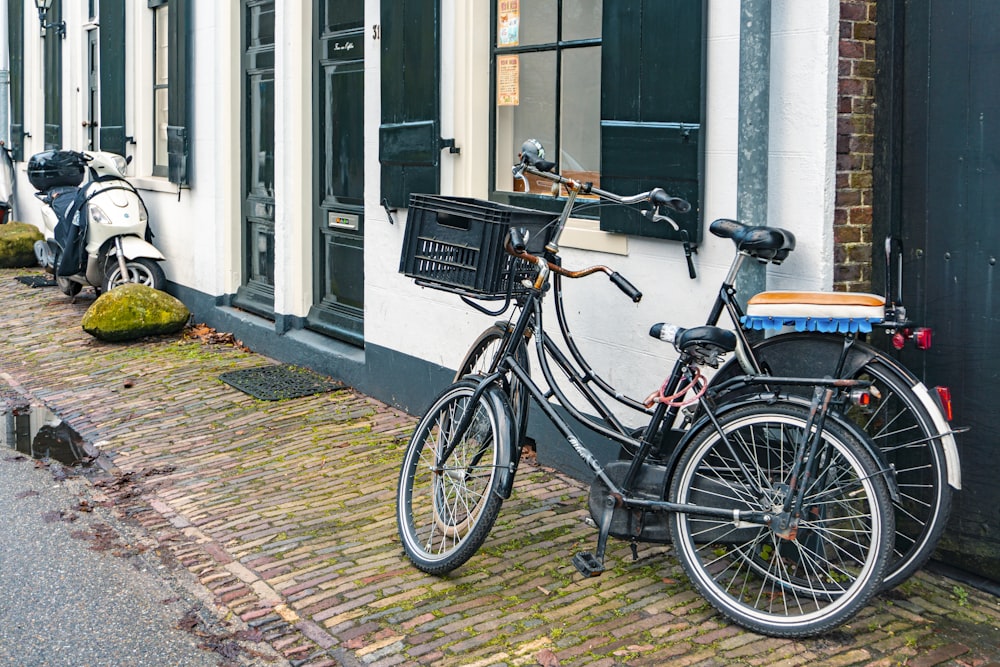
[458,243]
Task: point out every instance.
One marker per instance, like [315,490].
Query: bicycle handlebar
[515,245]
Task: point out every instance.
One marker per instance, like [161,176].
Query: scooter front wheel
[140,270]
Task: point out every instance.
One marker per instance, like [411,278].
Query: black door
[943,137]
[257,293]
[339,224]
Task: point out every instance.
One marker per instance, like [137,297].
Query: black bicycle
[904,419]
[780,510]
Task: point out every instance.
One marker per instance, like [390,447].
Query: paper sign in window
[508,22]
[508,81]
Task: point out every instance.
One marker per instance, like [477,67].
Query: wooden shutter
[53,86]
[651,108]
[178,88]
[410,134]
[112,51]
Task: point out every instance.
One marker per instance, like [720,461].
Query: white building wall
[611,331]
[200,229]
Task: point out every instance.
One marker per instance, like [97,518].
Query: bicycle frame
[623,494]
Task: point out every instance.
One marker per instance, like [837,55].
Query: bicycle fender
[508,454]
[947,437]
[820,353]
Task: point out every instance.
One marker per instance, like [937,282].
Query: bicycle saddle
[768,244]
[704,343]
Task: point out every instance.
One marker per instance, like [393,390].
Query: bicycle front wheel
[799,583]
[446,506]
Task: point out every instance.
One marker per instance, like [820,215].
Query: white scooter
[96,233]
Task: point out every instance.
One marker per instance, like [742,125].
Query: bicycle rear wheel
[793,586]
[896,421]
[446,508]
[482,358]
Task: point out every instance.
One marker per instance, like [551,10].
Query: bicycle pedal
[588,565]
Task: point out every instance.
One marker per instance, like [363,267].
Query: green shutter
[15,32]
[112,46]
[52,70]
[178,84]
[651,109]
[410,135]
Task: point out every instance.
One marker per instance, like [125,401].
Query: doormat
[275,382]
[36,281]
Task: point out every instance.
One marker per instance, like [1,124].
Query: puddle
[40,433]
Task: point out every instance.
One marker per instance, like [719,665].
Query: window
[161,80]
[612,89]
[547,72]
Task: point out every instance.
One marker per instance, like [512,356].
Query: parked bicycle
[780,510]
[898,413]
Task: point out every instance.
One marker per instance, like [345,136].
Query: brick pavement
[285,512]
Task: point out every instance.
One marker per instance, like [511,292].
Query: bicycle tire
[482,356]
[446,510]
[832,564]
[897,423]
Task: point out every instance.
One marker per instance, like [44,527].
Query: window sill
[587,235]
[153,184]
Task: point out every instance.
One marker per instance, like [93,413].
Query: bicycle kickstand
[592,565]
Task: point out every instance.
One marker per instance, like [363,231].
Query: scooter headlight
[98,216]
[120,164]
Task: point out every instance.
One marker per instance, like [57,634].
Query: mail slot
[341,220]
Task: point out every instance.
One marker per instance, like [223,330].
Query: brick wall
[852,224]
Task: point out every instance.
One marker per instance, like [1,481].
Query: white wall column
[293,159]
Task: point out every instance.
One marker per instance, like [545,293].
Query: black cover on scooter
[71,230]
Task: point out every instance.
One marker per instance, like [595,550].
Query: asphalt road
[77,591]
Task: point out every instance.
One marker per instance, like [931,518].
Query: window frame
[160,62]
[632,118]
[541,202]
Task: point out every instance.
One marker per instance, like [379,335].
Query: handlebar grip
[625,286]
[661,198]
[517,239]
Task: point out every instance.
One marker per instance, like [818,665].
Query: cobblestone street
[285,511]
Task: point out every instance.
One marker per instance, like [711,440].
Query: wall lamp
[43,9]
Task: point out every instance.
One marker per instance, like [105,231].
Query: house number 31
[376,31]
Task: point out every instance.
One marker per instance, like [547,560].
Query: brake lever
[656,216]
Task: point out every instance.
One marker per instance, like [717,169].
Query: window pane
[581,19]
[160,122]
[160,46]
[580,155]
[262,25]
[533,118]
[538,21]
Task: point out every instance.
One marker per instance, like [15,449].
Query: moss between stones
[133,311]
[17,245]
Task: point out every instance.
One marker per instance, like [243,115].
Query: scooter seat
[842,312]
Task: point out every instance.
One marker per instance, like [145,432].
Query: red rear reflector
[922,338]
[944,393]
[898,340]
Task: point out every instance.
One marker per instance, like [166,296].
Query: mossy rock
[132,311]
[17,245]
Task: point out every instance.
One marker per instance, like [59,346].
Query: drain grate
[275,382]
[36,281]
